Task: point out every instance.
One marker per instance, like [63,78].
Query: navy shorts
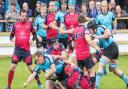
[112,51]
[41,44]
[21,54]
[87,63]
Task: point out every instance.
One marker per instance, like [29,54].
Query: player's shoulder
[101,28]
[37,18]
[46,55]
[110,13]
[99,15]
[66,14]
[58,12]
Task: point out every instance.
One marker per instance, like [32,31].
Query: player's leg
[12,70]
[116,71]
[90,65]
[103,61]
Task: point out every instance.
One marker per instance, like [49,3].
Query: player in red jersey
[57,50]
[70,20]
[22,31]
[82,40]
[51,32]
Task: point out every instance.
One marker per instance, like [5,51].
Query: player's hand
[31,42]
[98,49]
[39,38]
[50,25]
[62,31]
[114,31]
[13,41]
[96,37]
[25,85]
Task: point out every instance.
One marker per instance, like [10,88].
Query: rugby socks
[124,78]
[92,80]
[10,78]
[105,70]
[98,79]
[37,79]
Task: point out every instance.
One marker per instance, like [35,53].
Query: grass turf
[21,74]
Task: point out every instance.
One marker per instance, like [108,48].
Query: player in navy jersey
[22,31]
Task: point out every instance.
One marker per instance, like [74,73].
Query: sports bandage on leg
[103,61]
[113,65]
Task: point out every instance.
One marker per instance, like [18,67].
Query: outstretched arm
[31,77]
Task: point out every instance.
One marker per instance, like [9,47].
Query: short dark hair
[81,19]
[38,53]
[84,4]
[13,4]
[22,11]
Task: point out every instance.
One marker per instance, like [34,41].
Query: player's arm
[34,35]
[106,34]
[63,31]
[91,43]
[54,26]
[45,26]
[12,34]
[63,55]
[114,23]
[52,70]
[69,62]
[31,77]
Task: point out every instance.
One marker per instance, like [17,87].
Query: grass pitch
[109,81]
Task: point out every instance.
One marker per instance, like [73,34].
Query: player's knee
[114,67]
[13,67]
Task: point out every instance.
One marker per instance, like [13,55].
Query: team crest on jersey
[17,26]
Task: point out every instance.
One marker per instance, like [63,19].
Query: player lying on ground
[59,69]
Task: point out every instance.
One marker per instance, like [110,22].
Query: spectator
[44,1]
[2,11]
[84,11]
[98,7]
[112,6]
[92,10]
[126,5]
[26,8]
[12,14]
[25,1]
[8,5]
[121,13]
[37,10]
